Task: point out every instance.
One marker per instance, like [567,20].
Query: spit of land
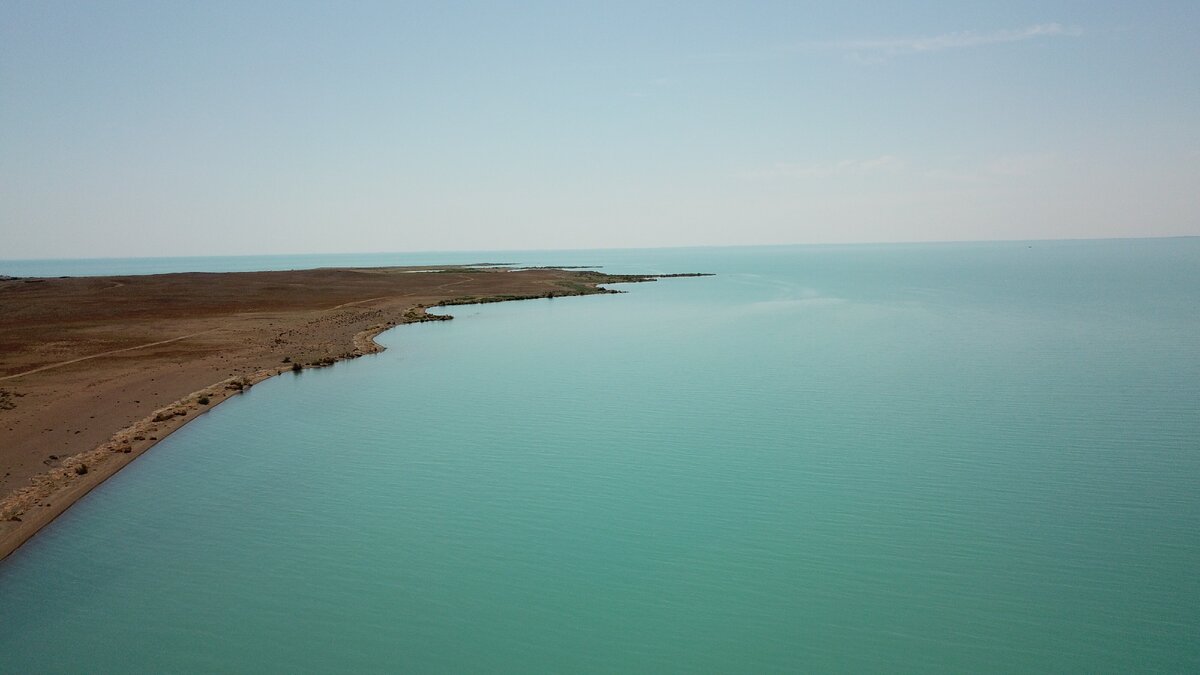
[95,370]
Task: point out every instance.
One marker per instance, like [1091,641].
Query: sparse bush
[81,469]
[203,400]
[296,367]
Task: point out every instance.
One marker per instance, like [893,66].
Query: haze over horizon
[139,129]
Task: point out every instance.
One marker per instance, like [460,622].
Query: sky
[228,128]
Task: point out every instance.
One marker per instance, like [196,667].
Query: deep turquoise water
[919,458]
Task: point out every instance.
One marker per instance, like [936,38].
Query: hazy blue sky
[165,128]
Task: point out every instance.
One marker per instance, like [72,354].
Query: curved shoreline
[49,494]
[66,486]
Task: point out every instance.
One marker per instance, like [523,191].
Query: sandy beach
[95,370]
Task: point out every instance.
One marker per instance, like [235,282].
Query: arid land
[95,370]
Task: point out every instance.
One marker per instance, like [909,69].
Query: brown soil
[95,370]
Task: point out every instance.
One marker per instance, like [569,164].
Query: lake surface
[920,458]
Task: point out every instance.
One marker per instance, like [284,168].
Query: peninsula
[95,370]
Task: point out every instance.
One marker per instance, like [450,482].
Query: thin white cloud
[888,47]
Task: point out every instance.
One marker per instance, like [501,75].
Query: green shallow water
[968,457]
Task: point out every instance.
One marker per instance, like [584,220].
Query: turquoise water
[920,458]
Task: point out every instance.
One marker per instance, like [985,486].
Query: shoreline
[66,486]
[48,494]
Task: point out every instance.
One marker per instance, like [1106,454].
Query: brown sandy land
[95,370]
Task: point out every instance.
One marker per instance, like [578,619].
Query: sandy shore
[95,370]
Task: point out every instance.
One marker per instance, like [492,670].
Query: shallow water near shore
[932,458]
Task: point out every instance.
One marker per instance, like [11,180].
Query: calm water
[970,457]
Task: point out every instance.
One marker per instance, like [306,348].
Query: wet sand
[95,370]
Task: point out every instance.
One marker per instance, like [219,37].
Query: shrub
[203,400]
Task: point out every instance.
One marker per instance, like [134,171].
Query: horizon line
[610,248]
